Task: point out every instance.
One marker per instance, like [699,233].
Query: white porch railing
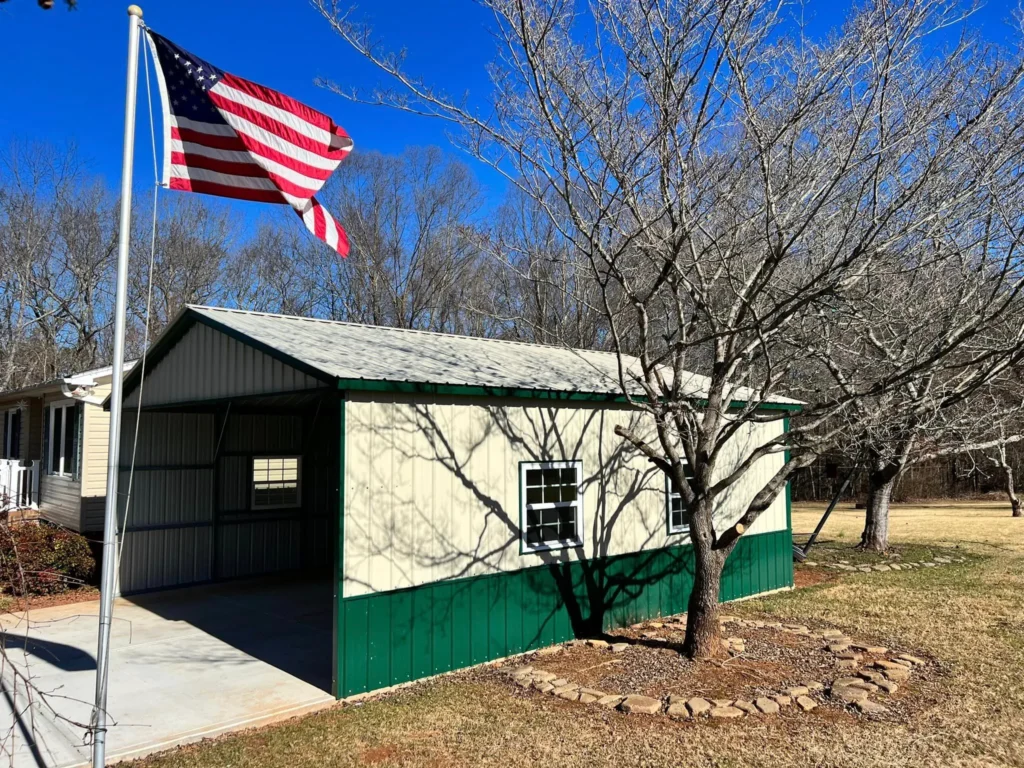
[19,484]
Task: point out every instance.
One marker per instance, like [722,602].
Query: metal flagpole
[109,577]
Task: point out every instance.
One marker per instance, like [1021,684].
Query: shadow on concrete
[65,657]
[284,620]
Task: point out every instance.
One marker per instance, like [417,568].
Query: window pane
[15,435]
[552,493]
[533,537]
[70,440]
[534,495]
[567,530]
[569,475]
[550,516]
[568,493]
[532,517]
[549,533]
[56,423]
[551,476]
[533,477]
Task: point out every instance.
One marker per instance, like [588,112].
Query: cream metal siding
[432,486]
[206,364]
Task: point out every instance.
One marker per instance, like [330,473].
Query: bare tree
[731,183]
[538,291]
[415,247]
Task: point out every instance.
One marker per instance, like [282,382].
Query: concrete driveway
[185,665]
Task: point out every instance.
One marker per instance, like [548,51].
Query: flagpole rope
[149,296]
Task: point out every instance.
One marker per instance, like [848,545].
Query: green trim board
[388,638]
[340,635]
[465,390]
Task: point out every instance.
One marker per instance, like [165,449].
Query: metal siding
[369,354]
[178,532]
[393,637]
[432,487]
[206,364]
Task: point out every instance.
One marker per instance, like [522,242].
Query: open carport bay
[185,664]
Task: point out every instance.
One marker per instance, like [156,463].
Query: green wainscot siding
[393,637]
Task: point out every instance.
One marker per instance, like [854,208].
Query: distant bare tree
[538,291]
[732,184]
[411,220]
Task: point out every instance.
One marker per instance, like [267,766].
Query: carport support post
[109,577]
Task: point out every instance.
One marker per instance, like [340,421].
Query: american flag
[231,137]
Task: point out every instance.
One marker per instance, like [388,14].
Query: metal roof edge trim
[413,387]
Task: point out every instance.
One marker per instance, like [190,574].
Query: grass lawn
[969,617]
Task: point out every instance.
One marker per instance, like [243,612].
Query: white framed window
[12,434]
[276,482]
[550,505]
[675,504]
[62,439]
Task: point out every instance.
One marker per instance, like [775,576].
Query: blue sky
[64,73]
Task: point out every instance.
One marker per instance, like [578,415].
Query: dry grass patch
[969,617]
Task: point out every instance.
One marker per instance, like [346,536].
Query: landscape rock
[618,647]
[869,707]
[554,649]
[726,712]
[881,567]
[544,677]
[543,687]
[568,693]
[559,682]
[838,647]
[746,706]
[596,643]
[610,701]
[887,685]
[783,701]
[848,664]
[798,690]
[587,698]
[698,706]
[806,703]
[644,705]
[558,690]
[767,706]
[678,709]
[914,660]
[592,692]
[900,675]
[848,694]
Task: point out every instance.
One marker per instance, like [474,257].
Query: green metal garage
[466,498]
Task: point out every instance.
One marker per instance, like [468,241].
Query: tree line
[424,258]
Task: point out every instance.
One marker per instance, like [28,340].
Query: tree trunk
[875,537]
[703,634]
[1011,491]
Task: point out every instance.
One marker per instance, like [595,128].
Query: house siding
[433,579]
[60,498]
[95,449]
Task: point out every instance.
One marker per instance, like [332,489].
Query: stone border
[882,676]
[844,565]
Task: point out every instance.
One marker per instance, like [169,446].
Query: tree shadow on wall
[559,594]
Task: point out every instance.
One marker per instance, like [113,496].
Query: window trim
[69,406]
[669,493]
[253,506]
[577,543]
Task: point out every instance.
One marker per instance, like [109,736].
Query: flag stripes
[227,136]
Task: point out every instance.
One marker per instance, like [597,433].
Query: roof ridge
[237,311]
